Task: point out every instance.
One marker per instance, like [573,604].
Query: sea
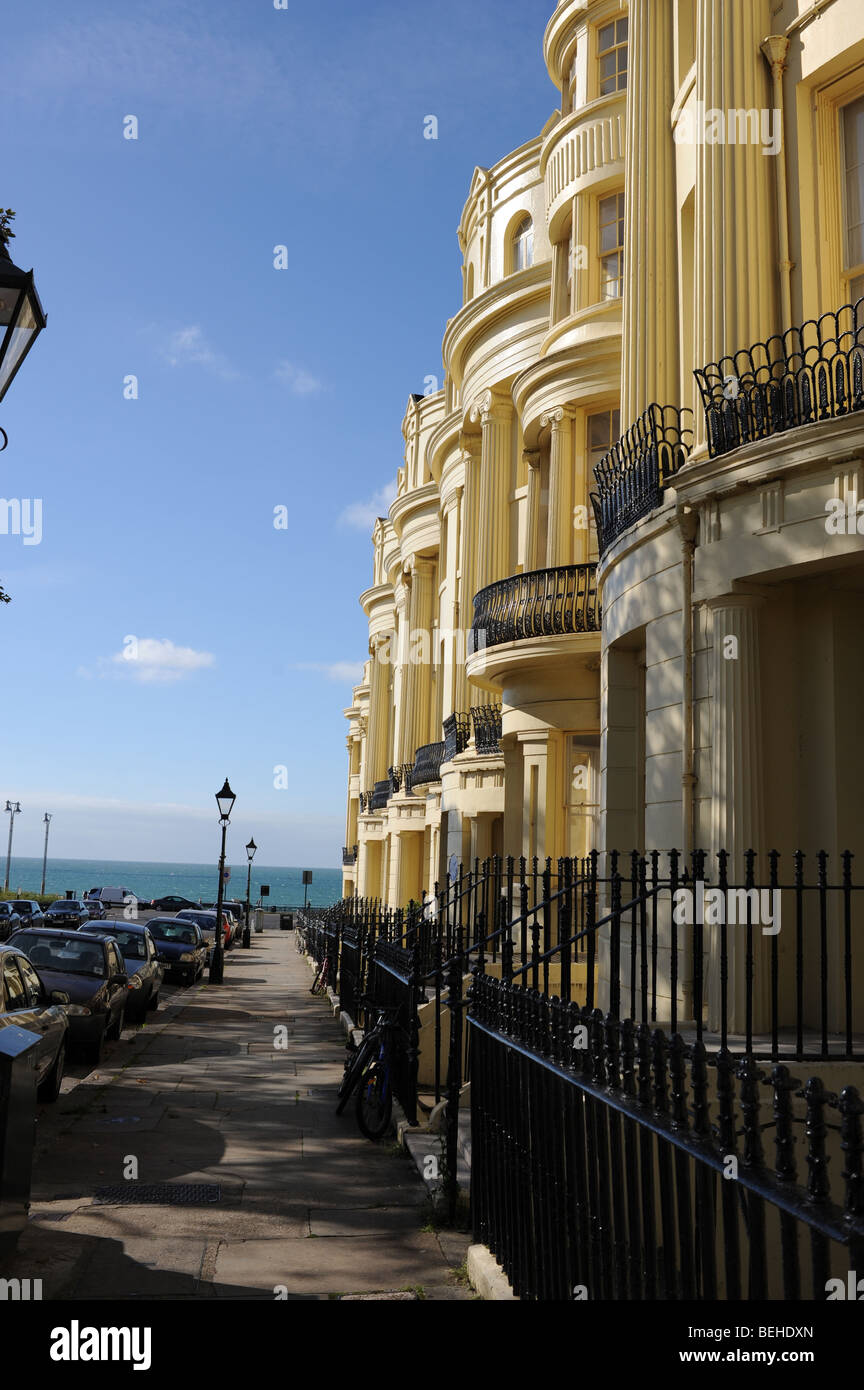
[200,882]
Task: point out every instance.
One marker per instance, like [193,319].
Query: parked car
[180,947]
[26,1001]
[10,920]
[206,919]
[238,912]
[141,960]
[110,897]
[87,967]
[66,912]
[172,903]
[31,914]
[95,909]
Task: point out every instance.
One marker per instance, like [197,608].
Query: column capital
[452,500]
[532,457]
[721,602]
[556,417]
[489,406]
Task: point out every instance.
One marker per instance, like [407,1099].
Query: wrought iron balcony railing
[427,764]
[632,477]
[457,735]
[542,603]
[809,373]
[400,778]
[366,801]
[487,728]
[381,794]
[349,856]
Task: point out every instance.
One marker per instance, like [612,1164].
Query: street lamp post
[47,820]
[13,812]
[250,855]
[225,801]
[21,316]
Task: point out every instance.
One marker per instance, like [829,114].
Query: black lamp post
[22,319]
[250,855]
[225,801]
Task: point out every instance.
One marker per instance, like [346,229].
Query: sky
[163,631]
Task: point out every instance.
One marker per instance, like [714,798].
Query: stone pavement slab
[309,1209]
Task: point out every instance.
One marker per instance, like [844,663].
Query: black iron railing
[602,1168]
[381,794]
[487,728]
[457,735]
[427,764]
[542,603]
[810,373]
[366,801]
[349,856]
[632,477]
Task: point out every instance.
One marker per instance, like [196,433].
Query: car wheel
[50,1087]
[113,1031]
[153,1001]
[93,1050]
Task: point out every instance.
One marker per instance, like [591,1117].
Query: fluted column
[532,510]
[559,529]
[417,671]
[453,623]
[735,221]
[495,414]
[469,545]
[736,783]
[378,747]
[650,367]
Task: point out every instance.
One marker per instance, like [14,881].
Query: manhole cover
[175,1194]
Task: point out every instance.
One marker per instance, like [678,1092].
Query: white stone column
[650,368]
[532,509]
[417,677]
[559,529]
[469,546]
[495,414]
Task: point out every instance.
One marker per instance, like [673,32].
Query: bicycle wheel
[375,1101]
[353,1072]
[320,984]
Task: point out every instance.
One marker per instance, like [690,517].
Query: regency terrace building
[618,600]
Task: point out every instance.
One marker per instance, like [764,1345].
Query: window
[612,246]
[15,995]
[853,166]
[32,983]
[612,57]
[523,245]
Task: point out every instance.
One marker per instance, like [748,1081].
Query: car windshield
[22,907]
[66,905]
[131,943]
[72,955]
[6,909]
[179,932]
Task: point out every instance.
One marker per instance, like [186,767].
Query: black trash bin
[286,921]
[18,1049]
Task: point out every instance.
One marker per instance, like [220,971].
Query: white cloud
[298,380]
[343,672]
[158,659]
[361,516]
[188,346]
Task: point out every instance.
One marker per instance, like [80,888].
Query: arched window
[523,245]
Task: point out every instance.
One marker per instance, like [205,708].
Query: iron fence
[457,735]
[809,373]
[487,728]
[606,1161]
[427,765]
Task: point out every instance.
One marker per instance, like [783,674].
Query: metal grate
[174,1194]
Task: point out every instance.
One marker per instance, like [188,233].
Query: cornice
[414,501]
[512,293]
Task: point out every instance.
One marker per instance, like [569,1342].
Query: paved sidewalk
[309,1209]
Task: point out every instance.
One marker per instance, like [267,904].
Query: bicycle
[369,1072]
[319,984]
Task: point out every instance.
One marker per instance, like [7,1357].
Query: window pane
[856,288]
[853,141]
[621,31]
[599,433]
[606,37]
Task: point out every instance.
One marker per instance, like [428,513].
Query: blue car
[180,947]
[141,959]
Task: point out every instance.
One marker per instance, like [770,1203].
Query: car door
[157,969]
[19,1009]
[117,989]
[51,1017]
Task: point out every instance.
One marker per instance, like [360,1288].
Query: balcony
[633,476]
[810,373]
[427,765]
[349,856]
[487,729]
[542,603]
[380,795]
[457,735]
[400,778]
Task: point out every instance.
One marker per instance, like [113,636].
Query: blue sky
[258,387]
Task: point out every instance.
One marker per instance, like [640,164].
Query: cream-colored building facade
[668,650]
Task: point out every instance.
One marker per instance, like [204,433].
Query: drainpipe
[688,525]
[775,50]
